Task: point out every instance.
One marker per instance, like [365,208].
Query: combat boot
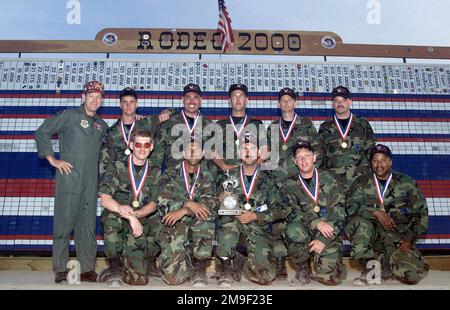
[113,268]
[115,278]
[361,280]
[219,270]
[237,264]
[386,272]
[152,269]
[199,279]
[225,279]
[281,269]
[303,273]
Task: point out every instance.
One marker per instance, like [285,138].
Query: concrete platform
[43,280]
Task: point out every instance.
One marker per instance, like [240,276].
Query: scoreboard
[408,106]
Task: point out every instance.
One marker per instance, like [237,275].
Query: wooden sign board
[207,41]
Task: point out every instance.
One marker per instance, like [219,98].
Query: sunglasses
[146,145]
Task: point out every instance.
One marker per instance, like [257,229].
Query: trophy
[228,200]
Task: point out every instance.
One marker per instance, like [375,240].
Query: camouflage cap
[94,87]
[302,144]
[380,148]
[342,91]
[191,87]
[287,91]
[234,87]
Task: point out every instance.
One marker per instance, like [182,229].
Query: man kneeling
[188,205]
[317,215]
[129,213]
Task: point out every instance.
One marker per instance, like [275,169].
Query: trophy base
[229,212]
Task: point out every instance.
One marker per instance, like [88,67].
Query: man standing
[189,123]
[80,133]
[116,143]
[388,213]
[234,126]
[317,213]
[126,193]
[345,140]
[291,128]
[188,205]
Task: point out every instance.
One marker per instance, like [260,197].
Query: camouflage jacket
[229,151]
[303,130]
[403,201]
[173,194]
[265,195]
[116,183]
[114,145]
[331,201]
[162,152]
[353,161]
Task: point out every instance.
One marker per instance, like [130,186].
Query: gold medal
[344,145]
[284,147]
[135,203]
[127,152]
[247,206]
[316,209]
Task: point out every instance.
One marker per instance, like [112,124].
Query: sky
[408,22]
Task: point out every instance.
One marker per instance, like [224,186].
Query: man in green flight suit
[127,192]
[388,213]
[80,133]
[317,215]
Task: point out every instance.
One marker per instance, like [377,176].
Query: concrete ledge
[31,263]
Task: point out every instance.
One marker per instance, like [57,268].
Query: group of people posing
[163,179]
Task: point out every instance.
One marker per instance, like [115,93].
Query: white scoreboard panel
[408,106]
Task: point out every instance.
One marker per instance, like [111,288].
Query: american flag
[224,26]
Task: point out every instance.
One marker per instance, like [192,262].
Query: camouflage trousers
[258,241]
[328,264]
[120,242]
[368,238]
[278,240]
[180,243]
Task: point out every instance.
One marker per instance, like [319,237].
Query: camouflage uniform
[162,154]
[406,205]
[226,125]
[118,236]
[114,146]
[189,238]
[259,265]
[303,130]
[353,161]
[302,221]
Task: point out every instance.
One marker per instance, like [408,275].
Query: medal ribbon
[343,133]
[191,130]
[125,136]
[378,187]
[314,196]
[137,189]
[283,136]
[190,190]
[247,192]
[238,132]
